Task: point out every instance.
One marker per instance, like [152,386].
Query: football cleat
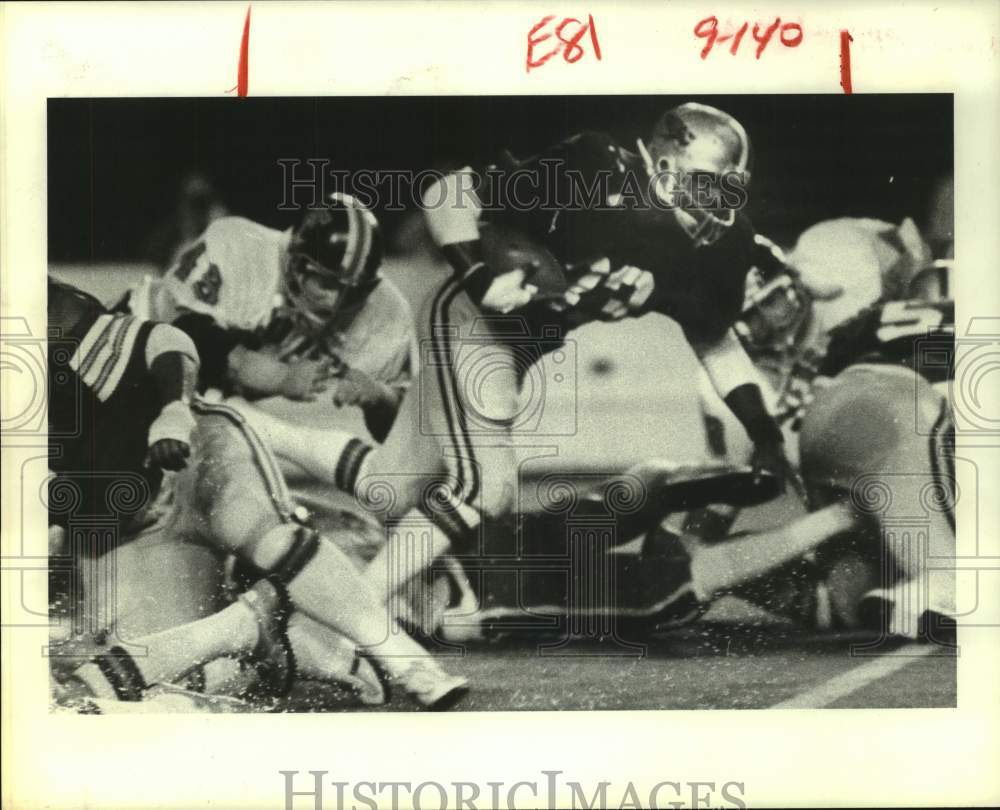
[272,657]
[884,611]
[431,687]
[426,683]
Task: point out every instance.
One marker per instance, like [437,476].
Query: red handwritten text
[789,34]
[567,36]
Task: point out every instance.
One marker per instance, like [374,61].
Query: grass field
[706,666]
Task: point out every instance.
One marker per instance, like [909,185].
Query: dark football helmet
[690,140]
[333,259]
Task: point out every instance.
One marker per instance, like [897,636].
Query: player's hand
[169,454]
[509,292]
[357,388]
[305,380]
[170,437]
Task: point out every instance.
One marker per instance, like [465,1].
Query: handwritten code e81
[568,35]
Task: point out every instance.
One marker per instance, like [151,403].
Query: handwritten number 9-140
[789,35]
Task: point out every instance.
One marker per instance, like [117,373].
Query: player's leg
[167,656]
[324,454]
[879,436]
[721,566]
[246,512]
[464,401]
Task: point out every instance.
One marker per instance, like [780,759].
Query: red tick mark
[845,61]
[243,71]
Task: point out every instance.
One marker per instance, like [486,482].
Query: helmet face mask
[774,314]
[332,261]
[691,144]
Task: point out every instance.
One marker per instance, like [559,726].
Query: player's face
[320,287]
[689,183]
[776,317]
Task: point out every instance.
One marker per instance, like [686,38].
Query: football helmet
[333,259]
[774,312]
[688,141]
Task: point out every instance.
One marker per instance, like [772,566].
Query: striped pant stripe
[274,481]
[463,455]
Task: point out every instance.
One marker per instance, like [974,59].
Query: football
[506,249]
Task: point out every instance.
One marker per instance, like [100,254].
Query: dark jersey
[590,203]
[101,404]
[919,335]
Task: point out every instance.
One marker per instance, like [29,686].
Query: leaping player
[640,244]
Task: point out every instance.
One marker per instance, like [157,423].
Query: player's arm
[230,359]
[734,377]
[452,211]
[172,361]
[379,400]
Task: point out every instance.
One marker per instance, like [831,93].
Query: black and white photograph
[500,403]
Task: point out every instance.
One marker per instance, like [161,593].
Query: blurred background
[119,168]
[131,180]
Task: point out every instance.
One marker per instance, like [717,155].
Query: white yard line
[854,679]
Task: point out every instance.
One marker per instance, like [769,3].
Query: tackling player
[291,313]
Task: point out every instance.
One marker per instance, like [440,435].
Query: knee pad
[286,549]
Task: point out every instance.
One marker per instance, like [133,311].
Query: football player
[533,263]
[228,497]
[119,413]
[291,314]
[870,400]
[879,431]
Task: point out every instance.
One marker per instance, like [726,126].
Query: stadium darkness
[114,164]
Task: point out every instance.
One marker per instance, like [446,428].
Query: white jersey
[233,274]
